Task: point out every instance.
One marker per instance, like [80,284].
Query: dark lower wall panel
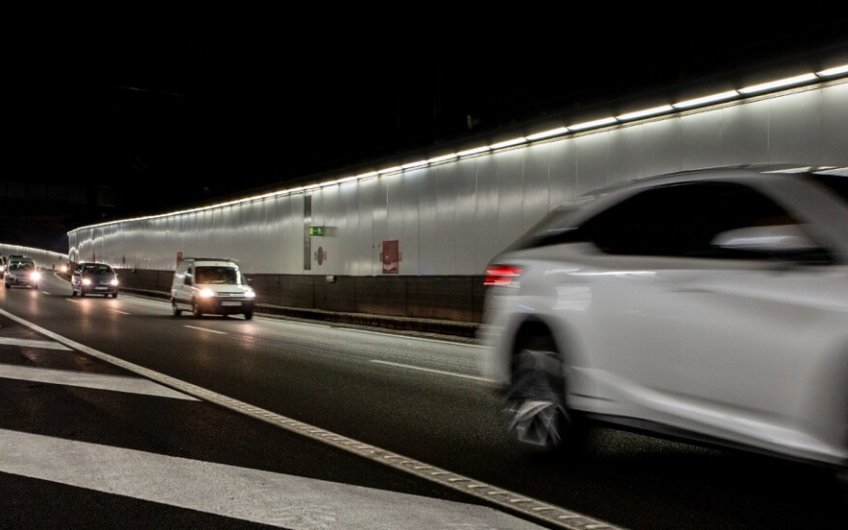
[458,298]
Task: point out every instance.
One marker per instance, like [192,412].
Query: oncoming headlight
[206,293]
[113,282]
[250,294]
[86,281]
[35,276]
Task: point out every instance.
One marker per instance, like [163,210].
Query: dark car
[94,278]
[22,271]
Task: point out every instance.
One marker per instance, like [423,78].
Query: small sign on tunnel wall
[390,256]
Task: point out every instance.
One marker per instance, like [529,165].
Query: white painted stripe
[556,516]
[45,292]
[432,371]
[396,336]
[121,312]
[29,343]
[207,329]
[247,494]
[115,383]
[74,300]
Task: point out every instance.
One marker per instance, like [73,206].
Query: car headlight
[86,281]
[2,268]
[113,282]
[206,293]
[36,276]
[250,294]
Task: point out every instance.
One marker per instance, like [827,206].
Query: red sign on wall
[391,257]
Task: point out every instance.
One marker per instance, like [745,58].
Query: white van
[211,286]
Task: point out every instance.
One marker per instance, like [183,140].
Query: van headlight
[114,282]
[36,276]
[206,293]
[250,294]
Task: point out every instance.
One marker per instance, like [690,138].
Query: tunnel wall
[450,219]
[43,258]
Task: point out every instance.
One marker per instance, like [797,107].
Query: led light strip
[699,102]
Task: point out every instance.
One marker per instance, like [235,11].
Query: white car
[711,305]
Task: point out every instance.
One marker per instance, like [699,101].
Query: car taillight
[501,275]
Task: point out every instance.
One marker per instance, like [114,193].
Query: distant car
[94,278]
[211,286]
[711,305]
[21,271]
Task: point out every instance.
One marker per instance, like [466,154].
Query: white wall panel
[412,184]
[795,133]
[453,217]
[464,218]
[488,199]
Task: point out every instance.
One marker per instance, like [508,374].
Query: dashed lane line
[505,499]
[30,343]
[206,329]
[431,370]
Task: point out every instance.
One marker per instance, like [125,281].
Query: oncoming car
[22,271]
[94,278]
[211,286]
[710,305]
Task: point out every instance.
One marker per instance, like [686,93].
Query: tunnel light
[413,165]
[509,143]
[592,124]
[836,70]
[550,133]
[705,100]
[475,151]
[778,83]
[443,158]
[644,113]
[366,175]
[346,180]
[393,169]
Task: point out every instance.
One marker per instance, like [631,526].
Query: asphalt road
[424,399]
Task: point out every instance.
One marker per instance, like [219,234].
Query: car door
[700,337]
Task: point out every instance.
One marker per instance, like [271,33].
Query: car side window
[683,220]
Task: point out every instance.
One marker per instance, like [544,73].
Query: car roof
[743,172]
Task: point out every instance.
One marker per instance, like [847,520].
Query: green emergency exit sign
[317,230]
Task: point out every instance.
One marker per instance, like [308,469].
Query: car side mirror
[187,280]
[774,239]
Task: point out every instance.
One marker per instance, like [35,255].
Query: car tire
[174,309]
[7,285]
[248,315]
[195,310]
[81,293]
[535,402]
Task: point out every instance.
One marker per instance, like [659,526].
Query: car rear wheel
[535,402]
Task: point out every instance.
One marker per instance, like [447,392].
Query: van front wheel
[195,310]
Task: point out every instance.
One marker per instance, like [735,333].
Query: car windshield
[220,275]
[97,269]
[21,265]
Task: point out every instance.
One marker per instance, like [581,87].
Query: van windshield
[220,275]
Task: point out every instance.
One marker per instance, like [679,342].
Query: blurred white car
[710,305]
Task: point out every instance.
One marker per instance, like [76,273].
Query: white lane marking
[206,329]
[74,300]
[406,337]
[254,495]
[115,383]
[553,515]
[45,292]
[121,312]
[30,343]
[432,371]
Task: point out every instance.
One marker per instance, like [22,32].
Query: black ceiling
[119,120]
